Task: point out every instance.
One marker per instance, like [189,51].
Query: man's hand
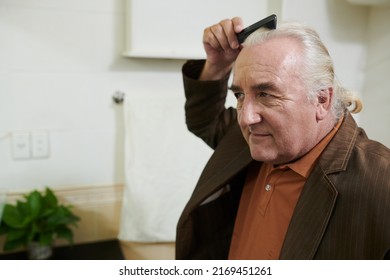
[222,48]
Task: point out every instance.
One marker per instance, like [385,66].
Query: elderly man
[292,175]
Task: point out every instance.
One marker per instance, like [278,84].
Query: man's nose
[249,113]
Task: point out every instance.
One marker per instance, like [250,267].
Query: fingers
[222,48]
[238,24]
[222,36]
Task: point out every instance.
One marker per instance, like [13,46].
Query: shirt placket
[268,188]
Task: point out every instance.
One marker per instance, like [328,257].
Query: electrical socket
[40,144]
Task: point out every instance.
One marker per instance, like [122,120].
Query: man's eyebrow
[264,87]
[258,87]
[235,88]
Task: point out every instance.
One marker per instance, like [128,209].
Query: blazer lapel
[318,198]
[310,218]
[231,156]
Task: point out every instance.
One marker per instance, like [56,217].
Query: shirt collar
[305,164]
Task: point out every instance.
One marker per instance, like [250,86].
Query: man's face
[276,118]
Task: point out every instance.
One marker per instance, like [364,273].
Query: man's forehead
[270,49]
[268,57]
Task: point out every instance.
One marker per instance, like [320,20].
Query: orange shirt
[267,204]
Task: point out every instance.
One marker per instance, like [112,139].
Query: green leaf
[34,200]
[11,245]
[50,201]
[56,218]
[66,233]
[13,217]
[23,208]
[62,216]
[70,217]
[34,231]
[3,228]
[15,234]
[46,238]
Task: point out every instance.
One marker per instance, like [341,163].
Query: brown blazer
[342,213]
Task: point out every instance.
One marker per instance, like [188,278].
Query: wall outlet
[21,145]
[40,144]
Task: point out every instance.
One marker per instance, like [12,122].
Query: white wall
[60,63]
[376,114]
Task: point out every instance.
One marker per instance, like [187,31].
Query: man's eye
[263,94]
[239,95]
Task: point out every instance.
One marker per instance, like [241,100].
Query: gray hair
[318,72]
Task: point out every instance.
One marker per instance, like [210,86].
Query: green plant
[39,217]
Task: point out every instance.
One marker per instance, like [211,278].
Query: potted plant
[36,222]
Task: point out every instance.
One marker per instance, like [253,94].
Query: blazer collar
[315,205]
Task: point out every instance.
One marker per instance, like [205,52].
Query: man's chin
[263,157]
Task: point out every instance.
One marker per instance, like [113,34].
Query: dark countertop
[102,250]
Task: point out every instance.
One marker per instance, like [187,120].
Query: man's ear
[324,102]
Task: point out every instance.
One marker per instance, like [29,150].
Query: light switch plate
[21,145]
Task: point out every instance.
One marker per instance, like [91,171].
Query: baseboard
[148,251]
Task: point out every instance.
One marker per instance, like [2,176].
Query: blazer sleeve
[205,112]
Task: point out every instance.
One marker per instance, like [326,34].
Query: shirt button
[268,187]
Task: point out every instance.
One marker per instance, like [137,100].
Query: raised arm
[205,83]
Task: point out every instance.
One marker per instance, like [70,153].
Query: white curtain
[163,161]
